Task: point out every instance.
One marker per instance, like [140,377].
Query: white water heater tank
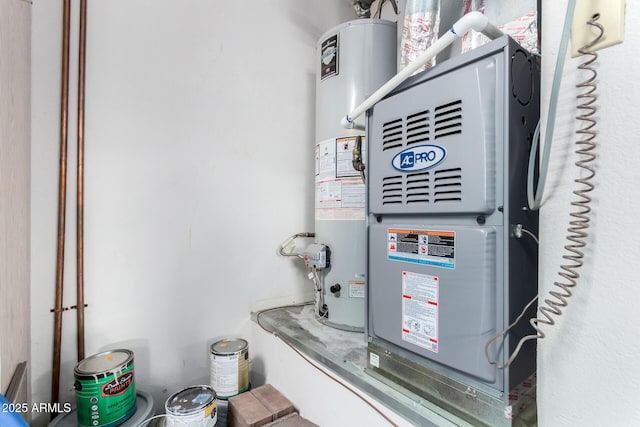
[354,59]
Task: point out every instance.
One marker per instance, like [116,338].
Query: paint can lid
[190,399]
[229,346]
[104,362]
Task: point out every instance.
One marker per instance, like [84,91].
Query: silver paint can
[195,406]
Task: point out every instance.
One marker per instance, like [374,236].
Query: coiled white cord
[581,214]
[577,231]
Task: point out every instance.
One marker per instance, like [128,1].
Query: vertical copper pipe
[80,195]
[62,199]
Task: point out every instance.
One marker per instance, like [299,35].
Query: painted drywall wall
[588,365]
[15,45]
[199,163]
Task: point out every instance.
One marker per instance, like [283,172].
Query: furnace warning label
[420,310]
[422,247]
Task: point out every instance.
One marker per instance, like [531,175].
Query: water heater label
[329,53]
[429,247]
[357,289]
[420,310]
[340,191]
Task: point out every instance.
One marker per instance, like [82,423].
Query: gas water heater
[448,264]
[354,59]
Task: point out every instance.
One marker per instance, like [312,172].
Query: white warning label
[420,310]
[374,360]
[357,289]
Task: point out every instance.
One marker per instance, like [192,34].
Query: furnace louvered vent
[392,190]
[418,128]
[447,185]
[408,189]
[444,185]
[392,134]
[418,187]
[448,119]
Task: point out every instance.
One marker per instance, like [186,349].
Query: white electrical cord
[520,316]
[318,298]
[533,236]
[287,247]
[534,197]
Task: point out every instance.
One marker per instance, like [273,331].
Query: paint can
[105,389]
[144,410]
[229,367]
[195,406]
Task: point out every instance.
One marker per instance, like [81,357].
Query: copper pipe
[62,200]
[80,195]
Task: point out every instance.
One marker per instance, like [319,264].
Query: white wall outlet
[610,16]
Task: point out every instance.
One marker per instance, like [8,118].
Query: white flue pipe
[471,21]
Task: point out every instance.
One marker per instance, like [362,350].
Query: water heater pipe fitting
[471,21]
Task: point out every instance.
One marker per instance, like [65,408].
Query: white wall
[588,364]
[15,44]
[199,128]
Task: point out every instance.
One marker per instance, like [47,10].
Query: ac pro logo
[419,158]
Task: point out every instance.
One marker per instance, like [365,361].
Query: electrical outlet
[610,16]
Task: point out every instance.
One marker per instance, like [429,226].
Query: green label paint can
[229,367]
[105,389]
